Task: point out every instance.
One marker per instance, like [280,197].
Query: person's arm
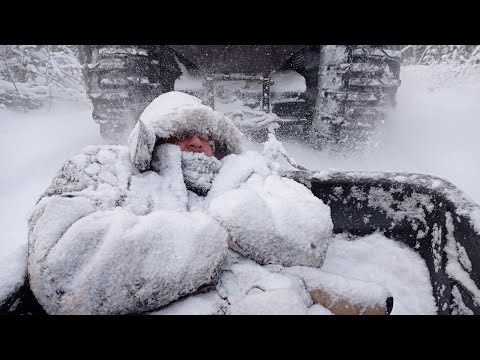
[88,256]
[274,220]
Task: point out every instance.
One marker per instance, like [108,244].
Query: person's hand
[233,245]
[344,295]
[342,306]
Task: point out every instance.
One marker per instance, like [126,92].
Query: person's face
[194,143]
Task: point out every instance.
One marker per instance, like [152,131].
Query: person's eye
[203,137]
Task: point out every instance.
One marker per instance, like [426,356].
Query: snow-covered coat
[112,236]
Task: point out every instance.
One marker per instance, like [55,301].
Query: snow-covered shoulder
[98,172]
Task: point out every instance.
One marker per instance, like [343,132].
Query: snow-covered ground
[33,147]
[433,131]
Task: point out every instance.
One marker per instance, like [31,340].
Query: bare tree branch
[48,80]
[74,78]
[53,81]
[421,57]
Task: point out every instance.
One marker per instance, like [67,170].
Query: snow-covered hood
[176,113]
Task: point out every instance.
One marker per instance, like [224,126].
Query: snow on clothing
[117,232]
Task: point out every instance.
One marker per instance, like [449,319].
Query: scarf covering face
[199,170]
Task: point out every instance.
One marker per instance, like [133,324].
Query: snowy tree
[33,76]
[468,55]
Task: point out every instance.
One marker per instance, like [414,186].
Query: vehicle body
[330,94]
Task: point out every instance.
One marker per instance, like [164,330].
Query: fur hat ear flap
[141,143]
[212,144]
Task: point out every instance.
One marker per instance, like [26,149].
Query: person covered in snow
[183,210]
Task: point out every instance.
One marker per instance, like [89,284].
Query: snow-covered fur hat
[175,114]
